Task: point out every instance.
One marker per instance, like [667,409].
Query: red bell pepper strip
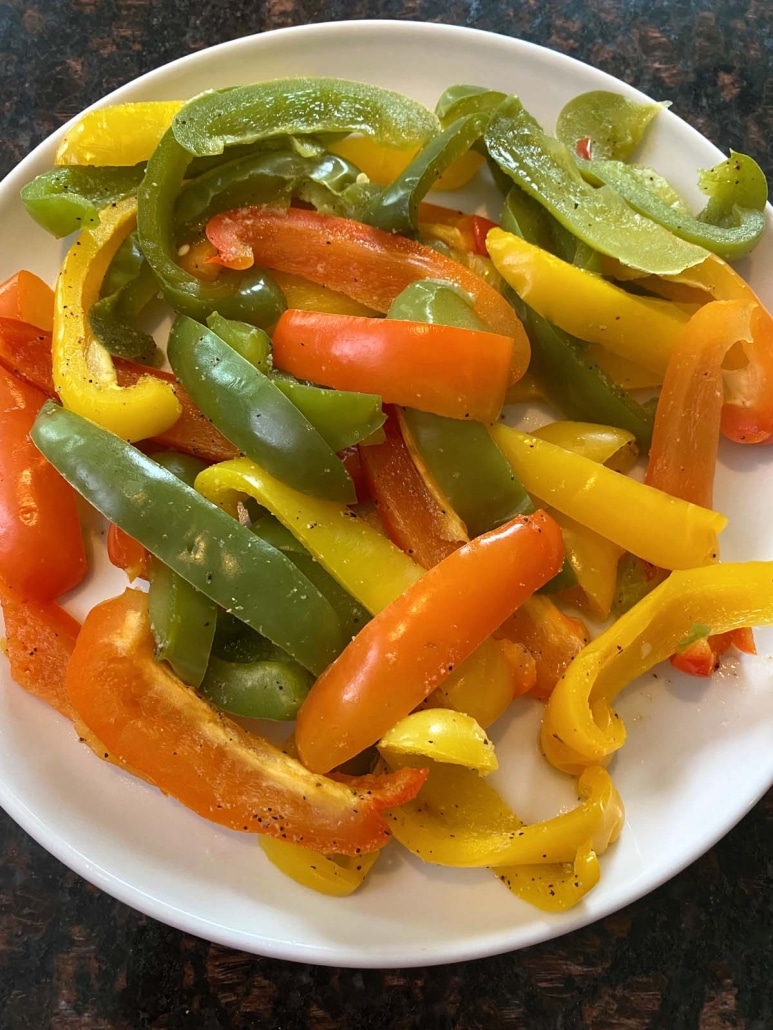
[150,721]
[26,298]
[126,553]
[460,373]
[367,264]
[414,643]
[25,350]
[40,639]
[41,546]
[702,656]
[411,516]
[470,231]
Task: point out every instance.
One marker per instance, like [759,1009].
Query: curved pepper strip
[84,375]
[411,646]
[383,165]
[580,727]
[642,329]
[335,875]
[124,134]
[368,264]
[611,125]
[366,564]
[665,530]
[151,721]
[608,445]
[442,736]
[66,200]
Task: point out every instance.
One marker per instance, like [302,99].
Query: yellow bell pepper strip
[151,721]
[84,374]
[459,820]
[685,440]
[663,530]
[608,445]
[443,736]
[625,373]
[335,875]
[580,727]
[484,686]
[410,647]
[308,296]
[642,329]
[594,560]
[383,165]
[367,264]
[124,134]
[366,564]
[555,887]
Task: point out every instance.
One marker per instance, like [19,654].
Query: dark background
[698,953]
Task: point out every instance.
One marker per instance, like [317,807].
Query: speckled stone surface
[698,952]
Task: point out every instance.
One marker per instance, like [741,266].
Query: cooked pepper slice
[113,319]
[442,736]
[26,298]
[84,375]
[253,413]
[580,727]
[201,543]
[608,124]
[273,687]
[124,134]
[152,722]
[336,875]
[252,343]
[459,373]
[66,200]
[408,649]
[342,417]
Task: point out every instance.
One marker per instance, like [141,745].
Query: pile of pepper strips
[455,493]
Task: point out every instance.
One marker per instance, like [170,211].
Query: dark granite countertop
[698,952]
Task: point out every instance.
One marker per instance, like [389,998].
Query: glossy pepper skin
[66,200]
[204,545]
[253,413]
[153,723]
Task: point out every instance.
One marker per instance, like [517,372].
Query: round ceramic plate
[698,755]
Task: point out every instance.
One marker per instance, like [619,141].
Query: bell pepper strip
[154,723]
[254,298]
[741,222]
[523,665]
[608,445]
[39,640]
[113,320]
[555,887]
[124,134]
[182,620]
[552,638]
[84,375]
[193,537]
[256,416]
[624,373]
[343,418]
[460,230]
[41,546]
[272,688]
[411,515]
[635,579]
[367,565]
[66,200]
[126,553]
[612,125]
[546,170]
[459,373]
[484,686]
[365,263]
[252,343]
[335,875]
[412,645]
[594,561]
[442,736]
[303,293]
[642,329]
[383,165]
[300,106]
[702,656]
[580,727]
[666,531]
[26,298]
[687,422]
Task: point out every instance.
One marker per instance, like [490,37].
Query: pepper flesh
[124,134]
[152,722]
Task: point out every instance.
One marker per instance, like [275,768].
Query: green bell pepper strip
[612,124]
[547,171]
[340,417]
[574,382]
[457,101]
[737,203]
[65,200]
[253,413]
[252,343]
[182,619]
[273,688]
[301,106]
[113,320]
[395,208]
[124,267]
[255,298]
[223,559]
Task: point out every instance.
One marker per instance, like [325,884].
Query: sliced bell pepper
[41,546]
[665,530]
[198,541]
[66,200]
[273,687]
[309,296]
[127,553]
[151,721]
[84,375]
[252,343]
[643,329]
[384,164]
[26,298]
[365,263]
[456,228]
[124,134]
[611,125]
[594,561]
[253,413]
[442,736]
[580,727]
[408,649]
[608,445]
[343,418]
[336,875]
[459,373]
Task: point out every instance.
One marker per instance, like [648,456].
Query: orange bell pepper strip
[459,230]
[703,656]
[460,373]
[126,553]
[41,546]
[411,646]
[367,264]
[152,722]
[26,298]
[25,351]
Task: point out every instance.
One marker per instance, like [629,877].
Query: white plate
[698,757]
